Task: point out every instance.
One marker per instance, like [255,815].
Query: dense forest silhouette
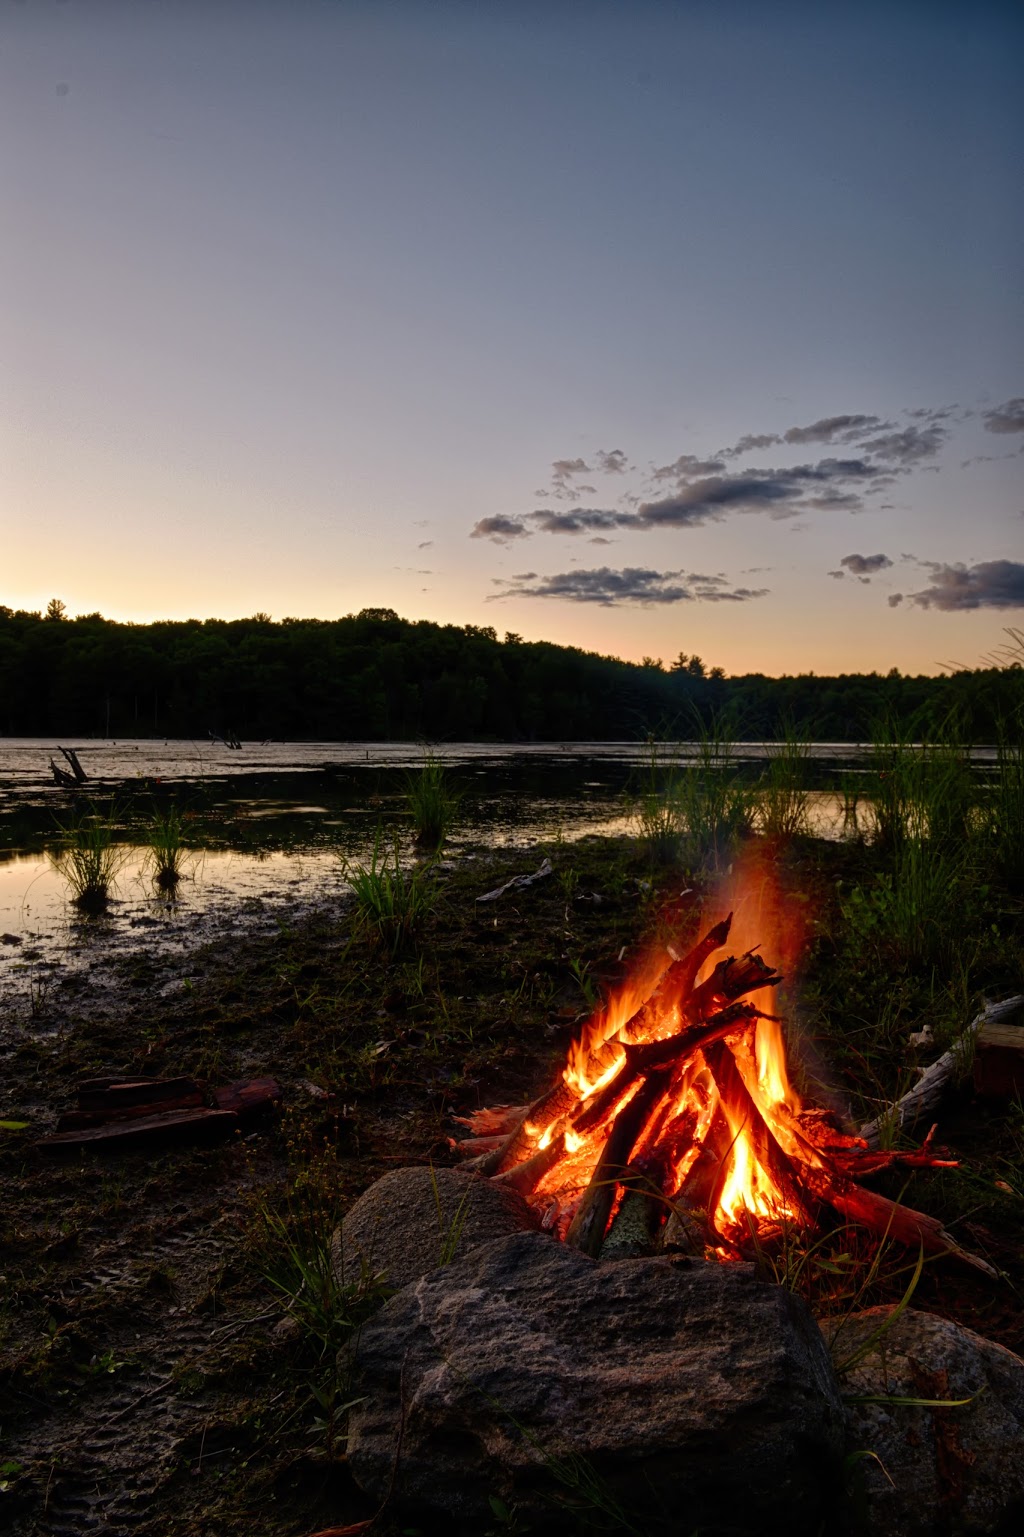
[374,676]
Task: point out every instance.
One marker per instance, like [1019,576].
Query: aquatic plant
[88,859]
[167,853]
[432,801]
[779,799]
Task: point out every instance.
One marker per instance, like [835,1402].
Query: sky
[647,328]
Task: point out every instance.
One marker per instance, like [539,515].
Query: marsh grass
[88,859]
[780,798]
[391,901]
[433,802]
[167,854]
[1004,808]
[694,810]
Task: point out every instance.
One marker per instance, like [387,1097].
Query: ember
[675,1122]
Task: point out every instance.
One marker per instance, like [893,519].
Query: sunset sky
[639,327]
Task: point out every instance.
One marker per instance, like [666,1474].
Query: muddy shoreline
[156,1383]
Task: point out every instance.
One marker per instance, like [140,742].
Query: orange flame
[697,1146]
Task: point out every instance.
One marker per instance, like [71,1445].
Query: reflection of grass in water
[88,859]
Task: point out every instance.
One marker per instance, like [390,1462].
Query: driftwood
[926,1094]
[999,1060]
[518,882]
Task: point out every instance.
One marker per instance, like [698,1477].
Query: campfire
[675,1124]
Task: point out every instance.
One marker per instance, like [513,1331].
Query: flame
[694,1145]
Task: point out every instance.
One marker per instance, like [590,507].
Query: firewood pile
[674,1124]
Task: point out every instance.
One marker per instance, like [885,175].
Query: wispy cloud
[501,530]
[1009,417]
[989,584]
[632,585]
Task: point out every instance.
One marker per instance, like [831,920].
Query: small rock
[957,1471]
[415,1219]
[10,939]
[690,1395]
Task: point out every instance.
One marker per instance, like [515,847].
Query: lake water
[271,823]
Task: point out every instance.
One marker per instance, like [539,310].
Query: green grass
[167,853]
[432,801]
[693,811]
[391,901]
[88,859]
[779,800]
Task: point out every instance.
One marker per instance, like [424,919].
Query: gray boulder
[682,1393]
[415,1219]
[957,1471]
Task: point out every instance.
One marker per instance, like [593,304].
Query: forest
[375,676]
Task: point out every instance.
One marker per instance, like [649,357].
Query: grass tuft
[88,859]
[391,901]
[167,852]
[432,801]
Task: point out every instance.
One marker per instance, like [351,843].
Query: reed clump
[88,859]
[432,801]
[780,799]
[167,856]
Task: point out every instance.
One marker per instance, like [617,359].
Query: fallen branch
[928,1091]
[518,882]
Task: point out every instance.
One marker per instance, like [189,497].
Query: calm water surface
[271,823]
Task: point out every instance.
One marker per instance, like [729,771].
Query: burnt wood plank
[172,1126]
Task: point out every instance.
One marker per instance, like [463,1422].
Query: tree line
[375,676]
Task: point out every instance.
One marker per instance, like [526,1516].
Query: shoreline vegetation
[374,676]
[170,1319]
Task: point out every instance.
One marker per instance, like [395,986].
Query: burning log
[684,1105]
[677,981]
[587,1229]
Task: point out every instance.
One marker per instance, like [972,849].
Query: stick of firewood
[518,1145]
[928,1091]
[587,1229]
[527,1175]
[676,983]
[730,979]
[903,1223]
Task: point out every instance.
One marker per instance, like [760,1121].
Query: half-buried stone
[413,1220]
[683,1394]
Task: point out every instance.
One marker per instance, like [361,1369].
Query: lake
[271,823]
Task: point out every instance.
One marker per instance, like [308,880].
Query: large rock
[413,1220]
[957,1471]
[689,1394]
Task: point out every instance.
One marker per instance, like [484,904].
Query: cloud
[839,575]
[688,465]
[865,565]
[425,544]
[612,462]
[751,441]
[895,600]
[634,584]
[989,584]
[910,446]
[1008,417]
[780,493]
[500,529]
[831,429]
[581,520]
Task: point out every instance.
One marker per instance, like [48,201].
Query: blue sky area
[640,327]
